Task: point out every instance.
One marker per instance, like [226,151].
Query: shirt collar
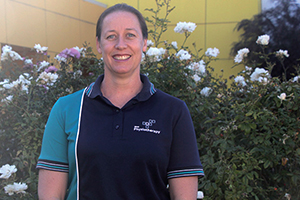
[93,90]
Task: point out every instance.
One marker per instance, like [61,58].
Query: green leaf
[249,189]
[245,180]
[249,176]
[267,164]
[252,126]
[249,113]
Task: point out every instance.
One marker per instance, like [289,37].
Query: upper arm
[52,185]
[183,188]
[184,150]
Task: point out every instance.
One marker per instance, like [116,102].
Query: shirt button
[117,110]
[117,127]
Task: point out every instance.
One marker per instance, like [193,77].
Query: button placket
[118,122]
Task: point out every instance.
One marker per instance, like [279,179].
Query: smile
[121,57]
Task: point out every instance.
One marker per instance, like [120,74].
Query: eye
[110,37]
[130,35]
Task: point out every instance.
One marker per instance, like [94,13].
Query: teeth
[121,57]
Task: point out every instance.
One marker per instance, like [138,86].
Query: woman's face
[121,44]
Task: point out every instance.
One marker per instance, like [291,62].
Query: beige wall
[57,24]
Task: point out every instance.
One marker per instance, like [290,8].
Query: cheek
[104,49]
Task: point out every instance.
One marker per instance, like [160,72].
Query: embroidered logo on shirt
[147,125]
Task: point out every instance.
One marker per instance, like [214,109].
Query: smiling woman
[121,45]
[120,138]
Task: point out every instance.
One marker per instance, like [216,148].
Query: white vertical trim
[97,3]
[76,143]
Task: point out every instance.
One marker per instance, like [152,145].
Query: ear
[145,45]
[98,46]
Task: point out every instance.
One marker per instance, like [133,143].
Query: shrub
[248,132]
[27,101]
[281,23]
[247,128]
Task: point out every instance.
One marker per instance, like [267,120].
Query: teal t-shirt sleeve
[54,152]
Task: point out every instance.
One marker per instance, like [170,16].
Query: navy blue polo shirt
[128,153]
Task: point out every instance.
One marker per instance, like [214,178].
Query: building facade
[57,24]
[60,24]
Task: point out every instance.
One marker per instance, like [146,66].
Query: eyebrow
[128,29]
[131,29]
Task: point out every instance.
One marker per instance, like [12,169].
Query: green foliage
[248,137]
[159,24]
[247,130]
[281,23]
[251,150]
[23,118]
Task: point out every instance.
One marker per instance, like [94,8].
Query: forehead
[121,19]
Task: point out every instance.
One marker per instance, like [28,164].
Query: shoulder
[168,99]
[68,102]
[71,98]
[173,106]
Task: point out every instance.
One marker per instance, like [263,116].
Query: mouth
[121,57]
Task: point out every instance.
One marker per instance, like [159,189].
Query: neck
[120,91]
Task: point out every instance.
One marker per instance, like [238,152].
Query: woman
[120,138]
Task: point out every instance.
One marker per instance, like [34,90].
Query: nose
[121,43]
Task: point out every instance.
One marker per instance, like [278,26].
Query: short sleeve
[54,155]
[184,156]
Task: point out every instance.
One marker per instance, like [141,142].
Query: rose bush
[281,23]
[247,127]
[28,93]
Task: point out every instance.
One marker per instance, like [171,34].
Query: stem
[155,24]
[187,35]
[269,65]
[160,23]
[197,53]
[164,21]
[28,100]
[284,70]
[25,110]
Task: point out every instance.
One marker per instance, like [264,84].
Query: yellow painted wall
[60,24]
[57,24]
[215,20]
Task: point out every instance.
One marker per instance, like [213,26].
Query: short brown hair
[126,8]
